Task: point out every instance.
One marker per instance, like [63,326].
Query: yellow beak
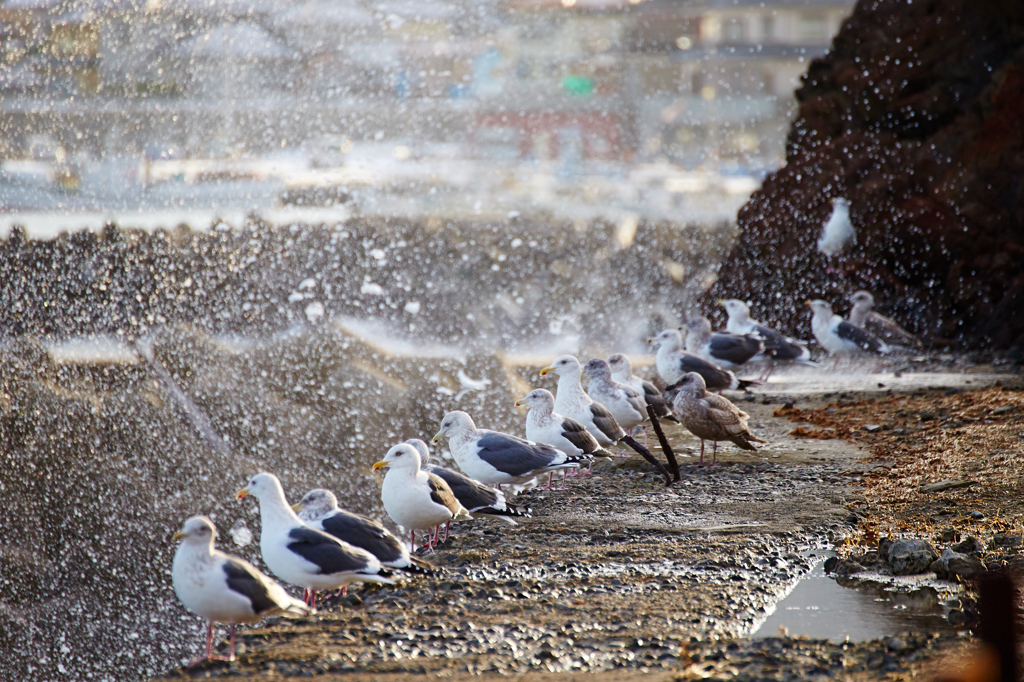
[297,507]
[720,301]
[437,438]
[377,466]
[547,370]
[807,302]
[241,493]
[519,403]
[177,536]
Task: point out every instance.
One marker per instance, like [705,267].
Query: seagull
[839,337]
[861,315]
[710,416]
[838,231]
[495,458]
[544,425]
[672,364]
[727,351]
[300,555]
[319,510]
[622,371]
[574,403]
[479,500]
[415,499]
[777,346]
[220,587]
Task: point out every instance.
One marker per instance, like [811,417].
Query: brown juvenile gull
[862,315]
[622,371]
[223,588]
[415,499]
[777,346]
[728,351]
[672,364]
[710,416]
[572,401]
[839,337]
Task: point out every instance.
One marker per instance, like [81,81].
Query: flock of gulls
[319,547]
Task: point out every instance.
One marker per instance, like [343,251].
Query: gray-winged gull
[479,500]
[319,510]
[622,371]
[862,315]
[710,416]
[300,555]
[727,351]
[416,499]
[573,402]
[672,364]
[839,337]
[495,458]
[223,588]
[544,425]
[777,346]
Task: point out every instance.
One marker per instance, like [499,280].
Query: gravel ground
[619,576]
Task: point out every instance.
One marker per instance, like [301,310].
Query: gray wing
[735,349]
[243,578]
[606,423]
[865,340]
[655,400]
[634,398]
[779,346]
[363,533]
[441,494]
[471,494]
[515,456]
[577,434]
[716,379]
[890,332]
[326,551]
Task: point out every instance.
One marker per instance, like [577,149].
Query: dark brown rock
[916,115]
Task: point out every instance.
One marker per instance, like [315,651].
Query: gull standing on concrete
[862,315]
[495,458]
[710,416]
[672,364]
[838,232]
[415,499]
[572,401]
[319,510]
[777,346]
[728,351]
[839,337]
[223,588]
[302,556]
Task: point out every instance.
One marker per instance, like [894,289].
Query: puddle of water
[820,608]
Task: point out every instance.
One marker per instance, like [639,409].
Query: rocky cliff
[916,115]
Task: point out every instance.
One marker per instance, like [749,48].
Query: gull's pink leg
[714,445]
[446,527]
[231,651]
[702,452]
[550,474]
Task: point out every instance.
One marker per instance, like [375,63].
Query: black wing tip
[745,384]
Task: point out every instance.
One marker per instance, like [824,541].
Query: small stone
[1006,540]
[911,556]
[969,545]
[948,535]
[976,515]
[1003,410]
[955,617]
[895,644]
[871,428]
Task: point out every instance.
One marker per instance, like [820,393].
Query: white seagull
[495,458]
[727,351]
[622,371]
[413,498]
[300,555]
[544,425]
[839,337]
[838,232]
[573,402]
[777,346]
[626,404]
[223,588]
[673,364]
[319,510]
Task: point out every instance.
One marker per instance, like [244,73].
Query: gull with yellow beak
[415,499]
[302,556]
[223,588]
